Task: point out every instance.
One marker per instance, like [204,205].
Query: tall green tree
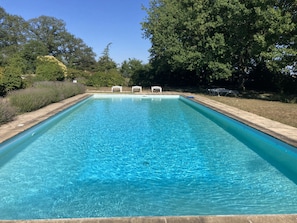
[130,66]
[60,43]
[106,63]
[218,38]
[76,54]
[182,37]
[42,36]
[13,33]
[48,30]
[106,73]
[30,52]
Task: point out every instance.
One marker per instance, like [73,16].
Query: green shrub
[31,99]
[106,79]
[7,112]
[11,75]
[48,68]
[42,94]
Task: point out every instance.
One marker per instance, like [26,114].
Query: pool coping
[27,120]
[278,130]
[285,133]
[173,219]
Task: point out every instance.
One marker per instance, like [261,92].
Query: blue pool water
[144,156]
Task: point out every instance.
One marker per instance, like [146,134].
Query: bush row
[7,112]
[38,96]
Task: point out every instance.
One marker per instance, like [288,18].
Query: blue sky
[96,22]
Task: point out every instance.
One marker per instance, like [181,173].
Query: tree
[76,54]
[143,76]
[60,43]
[219,38]
[48,30]
[13,33]
[106,79]
[106,73]
[44,36]
[30,51]
[128,68]
[183,39]
[105,63]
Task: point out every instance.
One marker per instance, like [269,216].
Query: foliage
[76,54]
[12,33]
[48,30]
[105,63]
[42,94]
[42,36]
[72,73]
[7,112]
[216,39]
[143,76]
[106,79]
[128,68]
[12,75]
[78,75]
[50,69]
[30,52]
[106,72]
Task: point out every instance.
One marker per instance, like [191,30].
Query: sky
[96,22]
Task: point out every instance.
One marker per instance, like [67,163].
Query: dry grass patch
[285,113]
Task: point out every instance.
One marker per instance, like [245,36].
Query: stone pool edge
[27,120]
[172,219]
[275,129]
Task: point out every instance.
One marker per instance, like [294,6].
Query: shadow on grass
[269,96]
[248,94]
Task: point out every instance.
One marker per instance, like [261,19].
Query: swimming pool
[144,156]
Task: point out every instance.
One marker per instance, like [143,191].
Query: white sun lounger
[156,88]
[113,88]
[136,88]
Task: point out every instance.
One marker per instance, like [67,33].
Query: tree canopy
[44,36]
[217,39]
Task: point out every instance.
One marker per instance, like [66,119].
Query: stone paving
[276,129]
[185,219]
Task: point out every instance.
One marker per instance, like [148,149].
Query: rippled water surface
[138,157]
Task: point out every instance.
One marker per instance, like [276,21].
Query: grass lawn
[282,112]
